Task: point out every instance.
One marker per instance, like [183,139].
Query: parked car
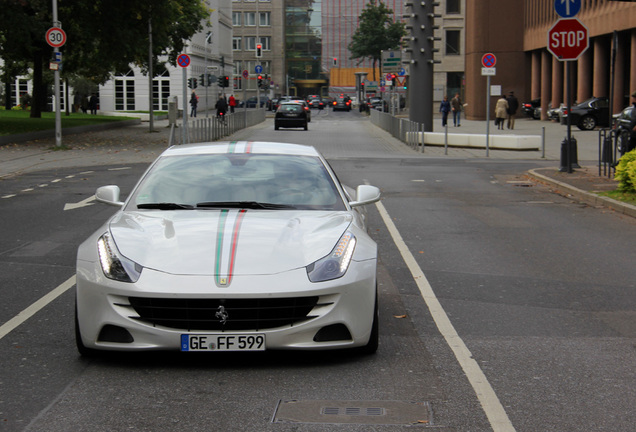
[289,115]
[622,123]
[528,108]
[252,101]
[341,102]
[378,104]
[231,246]
[315,102]
[589,114]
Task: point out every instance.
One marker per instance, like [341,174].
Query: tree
[103,36]
[377,32]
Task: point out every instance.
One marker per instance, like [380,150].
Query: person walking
[631,145]
[194,101]
[513,106]
[445,108]
[501,111]
[456,106]
[232,103]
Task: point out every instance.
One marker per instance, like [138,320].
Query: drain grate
[353,412]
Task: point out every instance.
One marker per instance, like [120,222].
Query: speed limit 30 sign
[56,37]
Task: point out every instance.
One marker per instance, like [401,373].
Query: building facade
[517,35]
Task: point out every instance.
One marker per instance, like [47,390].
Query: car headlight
[336,263]
[114,265]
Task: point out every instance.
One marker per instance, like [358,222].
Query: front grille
[239,314]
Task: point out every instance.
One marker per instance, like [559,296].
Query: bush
[626,172]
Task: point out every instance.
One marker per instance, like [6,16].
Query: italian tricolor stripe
[240,147]
[226,245]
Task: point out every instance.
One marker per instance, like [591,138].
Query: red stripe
[248,147]
[235,234]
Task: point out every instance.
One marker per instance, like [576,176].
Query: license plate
[222,342]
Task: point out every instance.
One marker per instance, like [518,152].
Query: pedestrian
[221,107]
[92,104]
[513,106]
[444,108]
[232,103]
[501,111]
[632,126]
[456,106]
[194,101]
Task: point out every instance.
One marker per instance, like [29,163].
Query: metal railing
[607,152]
[214,128]
[407,131]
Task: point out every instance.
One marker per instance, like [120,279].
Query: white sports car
[235,246]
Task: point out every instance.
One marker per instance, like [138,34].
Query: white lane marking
[27,313]
[487,397]
[84,203]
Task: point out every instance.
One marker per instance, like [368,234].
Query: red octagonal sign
[568,39]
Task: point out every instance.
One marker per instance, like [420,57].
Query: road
[502,307]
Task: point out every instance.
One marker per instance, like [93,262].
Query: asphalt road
[503,307]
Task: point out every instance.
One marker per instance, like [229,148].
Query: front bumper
[105,304]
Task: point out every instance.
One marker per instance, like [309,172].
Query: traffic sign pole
[56,76]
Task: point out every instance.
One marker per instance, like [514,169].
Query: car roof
[229,147]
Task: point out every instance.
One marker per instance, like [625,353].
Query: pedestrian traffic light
[259,50]
[260,81]
[226,81]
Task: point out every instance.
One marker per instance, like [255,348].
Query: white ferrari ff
[235,246]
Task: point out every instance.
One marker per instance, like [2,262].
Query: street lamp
[207,40]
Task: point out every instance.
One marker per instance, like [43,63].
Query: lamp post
[207,40]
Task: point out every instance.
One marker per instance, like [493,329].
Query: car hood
[237,242]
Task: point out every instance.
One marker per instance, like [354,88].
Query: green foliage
[377,32]
[103,36]
[626,172]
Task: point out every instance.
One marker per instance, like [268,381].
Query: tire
[306,127]
[276,126]
[587,122]
[374,340]
[623,142]
[84,352]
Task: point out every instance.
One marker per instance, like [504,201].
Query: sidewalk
[136,144]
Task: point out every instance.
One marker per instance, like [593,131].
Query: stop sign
[568,39]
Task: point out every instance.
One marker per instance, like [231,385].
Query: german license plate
[222,342]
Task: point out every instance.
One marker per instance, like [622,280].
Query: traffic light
[259,50]
[335,61]
[203,80]
[192,83]
[220,81]
[226,81]
[260,81]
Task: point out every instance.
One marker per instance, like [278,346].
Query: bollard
[573,162]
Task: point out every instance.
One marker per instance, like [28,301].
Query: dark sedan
[528,108]
[289,115]
[589,114]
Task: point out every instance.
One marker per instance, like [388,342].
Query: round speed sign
[56,37]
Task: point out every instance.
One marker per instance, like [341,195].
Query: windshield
[258,181]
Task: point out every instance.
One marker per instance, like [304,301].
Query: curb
[587,197]
[50,133]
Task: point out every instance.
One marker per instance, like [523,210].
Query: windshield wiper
[244,205]
[165,206]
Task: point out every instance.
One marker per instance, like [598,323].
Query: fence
[407,131]
[214,128]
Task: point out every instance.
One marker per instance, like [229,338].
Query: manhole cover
[353,412]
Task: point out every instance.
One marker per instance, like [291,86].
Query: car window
[298,181]
[291,108]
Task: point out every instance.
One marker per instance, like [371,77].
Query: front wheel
[587,123]
[622,142]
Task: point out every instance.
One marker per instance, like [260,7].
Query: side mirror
[109,195]
[365,194]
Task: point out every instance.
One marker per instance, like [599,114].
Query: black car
[290,115]
[341,102]
[315,102]
[623,131]
[589,114]
[528,108]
